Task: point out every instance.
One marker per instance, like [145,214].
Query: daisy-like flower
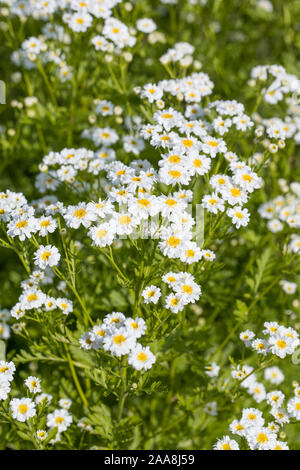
[211,408]
[279,445]
[190,253]
[240,217]
[170,278]
[114,320]
[288,287]
[280,415]
[41,434]
[247,337]
[247,179]
[43,399]
[60,418]
[271,328]
[260,346]
[46,225]
[65,403]
[141,358]
[226,443]
[80,21]
[84,424]
[46,256]
[282,345]
[136,326]
[102,235]
[146,25]
[187,291]
[212,370]
[274,375]
[174,303]
[236,427]
[257,390]
[275,398]
[251,417]
[261,438]
[119,342]
[87,342]
[22,227]
[7,370]
[213,203]
[32,298]
[82,214]
[213,146]
[4,331]
[33,384]
[293,407]
[151,294]
[173,242]
[208,255]
[198,164]
[151,92]
[22,409]
[65,305]
[124,223]
[234,195]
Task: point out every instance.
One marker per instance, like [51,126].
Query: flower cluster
[118,335]
[282,341]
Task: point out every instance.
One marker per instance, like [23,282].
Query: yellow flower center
[119,339]
[187,142]
[171,202]
[142,357]
[79,213]
[23,408]
[187,289]
[45,223]
[247,178]
[226,446]
[174,174]
[190,253]
[143,202]
[32,297]
[124,220]
[101,233]
[173,241]
[45,256]
[174,159]
[197,163]
[22,224]
[235,192]
[262,437]
[281,344]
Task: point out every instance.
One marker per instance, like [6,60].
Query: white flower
[274,375]
[33,384]
[22,409]
[41,434]
[226,444]
[60,418]
[212,370]
[46,256]
[141,358]
[151,294]
[146,25]
[119,342]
